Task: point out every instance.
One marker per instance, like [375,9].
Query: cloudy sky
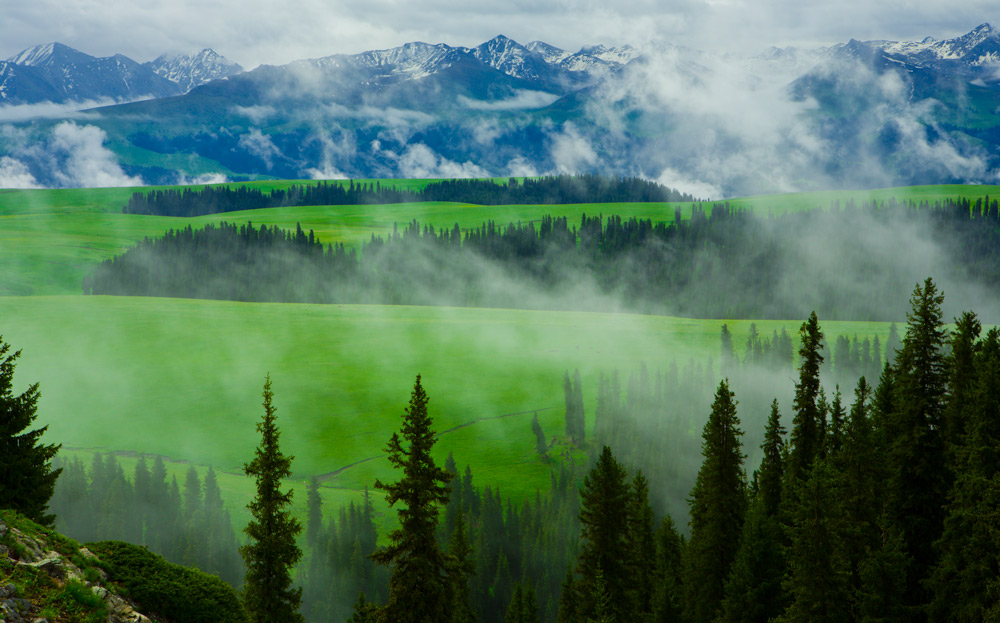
[252,32]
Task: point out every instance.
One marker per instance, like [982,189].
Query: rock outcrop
[54,579]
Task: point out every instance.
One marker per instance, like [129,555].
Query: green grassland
[182,378]
[51,239]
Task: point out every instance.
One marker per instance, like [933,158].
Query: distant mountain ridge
[55,72]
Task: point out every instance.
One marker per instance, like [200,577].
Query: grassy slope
[182,378]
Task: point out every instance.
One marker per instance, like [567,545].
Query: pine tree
[314,512]
[961,382]
[603,609]
[569,599]
[271,552]
[963,582]
[772,466]
[420,586]
[668,596]
[918,475]
[27,480]
[807,423]
[817,580]
[859,476]
[540,446]
[754,592]
[515,609]
[604,532]
[642,549]
[460,550]
[718,503]
[727,355]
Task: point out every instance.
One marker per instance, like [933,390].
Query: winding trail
[321,477]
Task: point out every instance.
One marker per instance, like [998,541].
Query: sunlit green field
[182,378]
[51,239]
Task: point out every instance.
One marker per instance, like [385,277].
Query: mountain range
[857,113]
[57,73]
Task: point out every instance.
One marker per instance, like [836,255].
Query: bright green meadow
[183,378]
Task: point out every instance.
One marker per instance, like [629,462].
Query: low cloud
[258,144]
[571,152]
[12,113]
[257,114]
[14,174]
[204,178]
[522,100]
[420,161]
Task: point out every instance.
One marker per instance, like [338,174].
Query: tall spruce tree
[642,549]
[668,595]
[420,589]
[807,423]
[460,549]
[27,479]
[772,466]
[860,475]
[604,531]
[965,579]
[817,580]
[271,552]
[753,592]
[718,503]
[961,382]
[918,475]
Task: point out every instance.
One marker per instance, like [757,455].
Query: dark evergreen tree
[460,549]
[753,591]
[420,589]
[727,357]
[961,383]
[604,532]
[718,503]
[859,476]
[817,580]
[569,599]
[314,512]
[540,446]
[881,593]
[271,552]
[27,479]
[771,474]
[965,579]
[918,474]
[807,423]
[668,596]
[642,546]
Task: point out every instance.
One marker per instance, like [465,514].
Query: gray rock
[51,566]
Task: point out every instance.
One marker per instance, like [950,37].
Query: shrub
[168,590]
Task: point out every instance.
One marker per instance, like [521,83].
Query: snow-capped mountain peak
[980,46]
[194,68]
[512,58]
[550,53]
[49,54]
